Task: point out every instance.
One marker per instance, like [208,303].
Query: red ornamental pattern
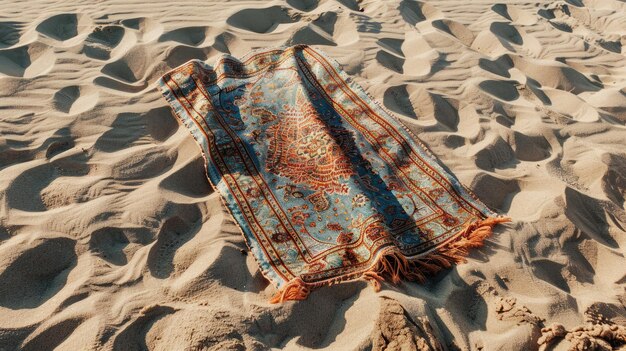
[302,149]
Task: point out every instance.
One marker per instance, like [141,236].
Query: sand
[112,239]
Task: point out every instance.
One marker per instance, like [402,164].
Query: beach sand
[111,237]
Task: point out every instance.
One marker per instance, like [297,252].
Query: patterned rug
[325,184]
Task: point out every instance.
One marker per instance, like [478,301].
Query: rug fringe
[295,289]
[395,267]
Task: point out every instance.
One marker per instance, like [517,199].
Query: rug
[324,183]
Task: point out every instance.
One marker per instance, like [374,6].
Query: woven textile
[325,184]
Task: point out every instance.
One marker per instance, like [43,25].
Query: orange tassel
[395,267]
[295,289]
[374,278]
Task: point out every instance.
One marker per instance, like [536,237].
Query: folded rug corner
[325,184]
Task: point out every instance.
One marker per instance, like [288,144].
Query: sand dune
[111,238]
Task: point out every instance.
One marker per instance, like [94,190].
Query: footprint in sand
[130,68]
[507,33]
[531,148]
[58,143]
[136,330]
[180,54]
[455,29]
[414,12]
[54,334]
[24,191]
[263,20]
[411,55]
[390,61]
[570,105]
[33,273]
[75,99]
[146,28]
[493,153]
[399,100]
[598,28]
[129,127]
[130,73]
[613,181]
[514,14]
[188,179]
[428,108]
[499,66]
[556,75]
[9,34]
[173,234]
[500,89]
[102,41]
[27,61]
[503,38]
[192,36]
[117,245]
[411,12]
[392,45]
[142,163]
[64,26]
[195,43]
[484,185]
[340,29]
[303,5]
[313,34]
[310,36]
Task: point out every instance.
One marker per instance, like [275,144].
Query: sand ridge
[111,238]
